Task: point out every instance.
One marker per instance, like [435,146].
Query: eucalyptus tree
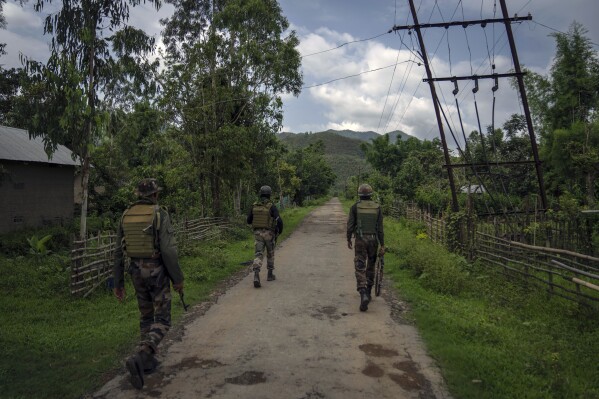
[93,54]
[228,63]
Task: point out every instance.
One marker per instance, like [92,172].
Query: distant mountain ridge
[370,135]
[342,149]
[362,136]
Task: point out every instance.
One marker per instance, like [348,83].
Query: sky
[366,78]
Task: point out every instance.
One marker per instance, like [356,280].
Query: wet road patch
[247,378]
[377,350]
[372,370]
[411,379]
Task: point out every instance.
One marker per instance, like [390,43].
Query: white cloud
[23,20]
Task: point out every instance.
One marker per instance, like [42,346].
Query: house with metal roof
[35,189]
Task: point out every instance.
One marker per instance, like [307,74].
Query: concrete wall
[35,194]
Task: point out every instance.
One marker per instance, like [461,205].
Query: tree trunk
[84,197]
[237,198]
[591,187]
[88,139]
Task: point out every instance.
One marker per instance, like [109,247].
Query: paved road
[299,337]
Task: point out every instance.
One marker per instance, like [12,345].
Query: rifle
[185,306]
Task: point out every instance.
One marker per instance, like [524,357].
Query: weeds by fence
[92,259]
[568,274]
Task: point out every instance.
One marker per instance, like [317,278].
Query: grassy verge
[57,346]
[492,338]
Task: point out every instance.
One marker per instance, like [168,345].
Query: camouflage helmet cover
[364,190]
[147,187]
[265,191]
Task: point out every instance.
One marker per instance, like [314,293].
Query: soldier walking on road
[146,236]
[267,224]
[365,222]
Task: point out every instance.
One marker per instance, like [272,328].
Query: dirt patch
[377,350]
[326,311]
[399,308]
[313,395]
[247,378]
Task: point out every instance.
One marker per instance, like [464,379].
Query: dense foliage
[564,108]
[204,123]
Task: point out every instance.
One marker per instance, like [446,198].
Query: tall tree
[315,174]
[92,47]
[565,104]
[227,65]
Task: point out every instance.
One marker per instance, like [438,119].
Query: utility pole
[495,76]
[431,84]
[531,133]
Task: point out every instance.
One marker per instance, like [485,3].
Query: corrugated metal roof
[15,145]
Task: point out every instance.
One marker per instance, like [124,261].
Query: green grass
[491,338]
[54,345]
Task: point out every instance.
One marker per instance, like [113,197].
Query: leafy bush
[438,269]
[17,243]
[37,246]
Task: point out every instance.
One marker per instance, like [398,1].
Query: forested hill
[342,149]
[336,139]
[333,142]
[369,135]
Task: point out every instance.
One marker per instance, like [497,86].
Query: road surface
[299,337]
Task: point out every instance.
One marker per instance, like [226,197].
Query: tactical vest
[367,215]
[262,218]
[141,223]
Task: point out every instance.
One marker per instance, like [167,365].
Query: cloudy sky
[358,76]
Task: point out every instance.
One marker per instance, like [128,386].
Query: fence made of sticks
[568,274]
[92,259]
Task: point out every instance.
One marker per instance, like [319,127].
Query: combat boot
[150,363]
[364,300]
[257,279]
[270,276]
[369,292]
[135,366]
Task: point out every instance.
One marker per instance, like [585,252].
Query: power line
[559,31]
[358,74]
[345,44]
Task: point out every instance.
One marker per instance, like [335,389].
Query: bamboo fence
[92,259]
[568,274]
[91,262]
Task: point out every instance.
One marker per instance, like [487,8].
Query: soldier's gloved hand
[349,244]
[382,251]
[119,293]
[178,287]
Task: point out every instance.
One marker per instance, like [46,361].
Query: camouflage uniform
[151,277]
[366,223]
[264,237]
[366,246]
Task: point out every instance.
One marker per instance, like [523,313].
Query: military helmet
[265,191]
[147,187]
[364,190]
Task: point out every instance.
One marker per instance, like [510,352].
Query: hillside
[342,149]
[369,135]
[334,143]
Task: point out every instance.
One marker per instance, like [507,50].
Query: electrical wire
[345,44]
[354,75]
